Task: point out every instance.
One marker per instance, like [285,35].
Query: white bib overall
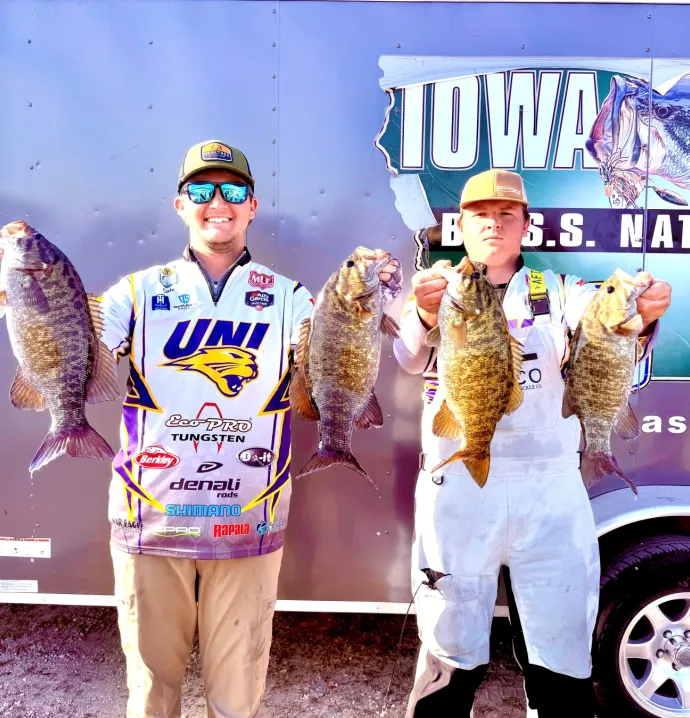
[533,515]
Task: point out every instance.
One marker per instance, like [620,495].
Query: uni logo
[222,351]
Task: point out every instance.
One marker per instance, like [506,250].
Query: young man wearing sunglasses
[201,487]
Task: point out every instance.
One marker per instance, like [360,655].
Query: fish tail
[324,458]
[82,441]
[597,464]
[478,466]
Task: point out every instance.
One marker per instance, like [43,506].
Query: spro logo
[178,531]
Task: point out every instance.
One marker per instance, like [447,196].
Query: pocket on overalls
[451,617]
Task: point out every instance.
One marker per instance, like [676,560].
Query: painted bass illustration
[627,140]
[600,373]
[478,366]
[337,359]
[54,331]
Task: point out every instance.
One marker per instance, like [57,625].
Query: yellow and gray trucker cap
[494,184]
[211,155]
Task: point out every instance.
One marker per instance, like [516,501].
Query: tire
[650,579]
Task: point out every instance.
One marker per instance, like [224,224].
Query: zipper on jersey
[216,290]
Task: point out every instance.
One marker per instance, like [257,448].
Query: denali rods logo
[156,457]
[227,489]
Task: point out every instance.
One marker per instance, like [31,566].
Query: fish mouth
[16,230]
[382,259]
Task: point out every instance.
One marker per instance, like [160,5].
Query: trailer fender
[619,508]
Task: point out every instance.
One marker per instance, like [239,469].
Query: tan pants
[158,614]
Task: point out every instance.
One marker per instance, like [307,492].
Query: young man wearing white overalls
[533,516]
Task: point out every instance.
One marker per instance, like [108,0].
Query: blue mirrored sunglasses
[202,192]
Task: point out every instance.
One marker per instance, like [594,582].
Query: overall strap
[539,297]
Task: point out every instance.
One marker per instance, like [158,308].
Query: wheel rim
[654,656]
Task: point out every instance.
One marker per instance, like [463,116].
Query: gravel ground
[66,662]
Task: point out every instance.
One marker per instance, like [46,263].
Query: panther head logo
[229,368]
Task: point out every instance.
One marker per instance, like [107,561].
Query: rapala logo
[156,457]
[260,281]
[230,530]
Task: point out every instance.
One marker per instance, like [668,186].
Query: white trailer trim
[69,599]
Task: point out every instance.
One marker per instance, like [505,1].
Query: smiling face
[492,231]
[217,226]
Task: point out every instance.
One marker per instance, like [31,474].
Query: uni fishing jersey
[204,466]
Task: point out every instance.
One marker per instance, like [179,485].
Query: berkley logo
[260,281]
[156,457]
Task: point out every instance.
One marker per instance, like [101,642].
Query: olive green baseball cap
[494,184]
[211,155]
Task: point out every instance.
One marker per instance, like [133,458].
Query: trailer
[361,121]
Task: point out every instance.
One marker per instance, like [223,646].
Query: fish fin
[567,408]
[478,466]
[390,327]
[300,400]
[516,393]
[33,296]
[3,298]
[627,426]
[303,343]
[596,464]
[23,395]
[84,442]
[371,414]
[457,333]
[445,425]
[433,337]
[322,459]
[95,312]
[103,383]
[457,456]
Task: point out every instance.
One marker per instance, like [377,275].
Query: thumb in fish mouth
[643,279]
